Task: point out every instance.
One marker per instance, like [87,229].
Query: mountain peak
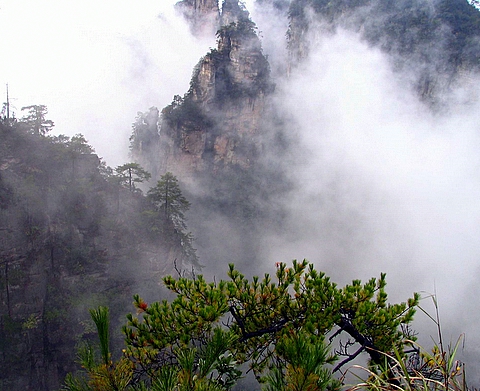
[203,15]
[217,124]
[232,12]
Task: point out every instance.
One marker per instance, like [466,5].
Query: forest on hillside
[75,234]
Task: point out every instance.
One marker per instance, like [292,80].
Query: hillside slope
[71,238]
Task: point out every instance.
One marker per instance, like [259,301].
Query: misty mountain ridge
[222,119]
[267,181]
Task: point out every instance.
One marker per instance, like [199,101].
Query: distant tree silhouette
[35,121]
[168,214]
[131,173]
[167,198]
[144,130]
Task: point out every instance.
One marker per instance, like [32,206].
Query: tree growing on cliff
[79,145]
[168,214]
[144,130]
[131,173]
[168,199]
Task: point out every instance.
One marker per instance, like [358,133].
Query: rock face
[203,15]
[217,123]
[232,12]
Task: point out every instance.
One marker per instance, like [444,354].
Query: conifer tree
[281,326]
[273,320]
[168,199]
[168,215]
[36,121]
[131,173]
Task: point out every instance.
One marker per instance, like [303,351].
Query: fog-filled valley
[176,139]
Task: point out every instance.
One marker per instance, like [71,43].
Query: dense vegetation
[284,327]
[74,234]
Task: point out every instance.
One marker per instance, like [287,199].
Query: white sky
[95,63]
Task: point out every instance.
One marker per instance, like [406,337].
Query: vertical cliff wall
[217,123]
[203,15]
[213,138]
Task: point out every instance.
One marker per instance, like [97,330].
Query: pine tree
[36,121]
[131,173]
[169,214]
[279,324]
[167,198]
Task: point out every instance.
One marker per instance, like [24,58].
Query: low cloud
[383,183]
[95,66]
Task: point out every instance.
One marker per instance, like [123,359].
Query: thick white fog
[95,64]
[383,183]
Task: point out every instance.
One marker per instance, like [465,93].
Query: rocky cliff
[217,124]
[203,15]
[226,137]
[213,139]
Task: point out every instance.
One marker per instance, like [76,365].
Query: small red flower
[142,306]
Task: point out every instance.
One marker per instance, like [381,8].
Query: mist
[383,183]
[95,65]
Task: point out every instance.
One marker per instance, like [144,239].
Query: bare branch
[348,359]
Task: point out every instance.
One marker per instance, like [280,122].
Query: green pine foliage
[269,322]
[283,327]
[101,318]
[130,174]
[302,365]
